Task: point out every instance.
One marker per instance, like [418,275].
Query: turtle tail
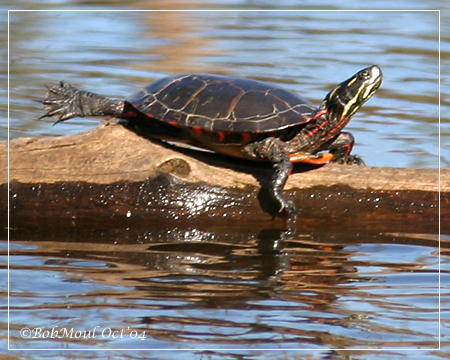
[65,101]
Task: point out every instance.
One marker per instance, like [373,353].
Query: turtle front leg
[274,151]
[340,147]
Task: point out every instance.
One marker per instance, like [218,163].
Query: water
[227,289]
[308,52]
[223,288]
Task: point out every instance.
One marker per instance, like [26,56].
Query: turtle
[233,116]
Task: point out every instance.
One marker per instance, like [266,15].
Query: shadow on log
[110,173]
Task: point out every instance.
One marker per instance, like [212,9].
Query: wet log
[112,173]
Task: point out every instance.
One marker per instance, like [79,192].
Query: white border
[255,349]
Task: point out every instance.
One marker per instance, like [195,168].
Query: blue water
[115,54]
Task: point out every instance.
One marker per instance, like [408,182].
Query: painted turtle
[235,116]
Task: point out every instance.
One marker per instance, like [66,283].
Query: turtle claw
[287,207]
[350,160]
[60,102]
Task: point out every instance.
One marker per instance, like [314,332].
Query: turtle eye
[364,75]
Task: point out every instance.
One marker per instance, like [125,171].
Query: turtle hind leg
[64,101]
[340,147]
[274,151]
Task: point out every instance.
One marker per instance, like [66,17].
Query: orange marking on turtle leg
[307,158]
[297,157]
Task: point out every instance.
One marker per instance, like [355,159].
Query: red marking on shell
[130,113]
[173,123]
[246,136]
[197,129]
[221,135]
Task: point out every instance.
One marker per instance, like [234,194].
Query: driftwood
[112,173]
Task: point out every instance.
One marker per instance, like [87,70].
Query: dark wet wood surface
[110,172]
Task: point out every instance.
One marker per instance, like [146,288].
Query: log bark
[112,173]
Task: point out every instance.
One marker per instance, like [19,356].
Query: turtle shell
[222,104]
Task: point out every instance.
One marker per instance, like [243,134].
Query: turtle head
[346,98]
